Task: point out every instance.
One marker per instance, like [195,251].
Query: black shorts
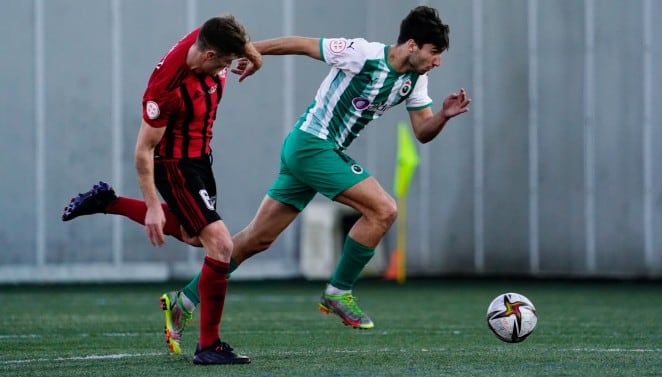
[189,188]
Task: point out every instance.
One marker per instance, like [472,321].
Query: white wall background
[552,173]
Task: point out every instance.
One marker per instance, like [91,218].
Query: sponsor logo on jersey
[337,45]
[152,110]
[363,104]
[360,103]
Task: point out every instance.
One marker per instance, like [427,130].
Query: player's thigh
[271,219]
[369,198]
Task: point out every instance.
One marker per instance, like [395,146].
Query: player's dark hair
[423,25]
[223,34]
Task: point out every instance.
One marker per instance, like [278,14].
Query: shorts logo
[209,202]
[152,110]
[357,169]
[337,45]
[406,87]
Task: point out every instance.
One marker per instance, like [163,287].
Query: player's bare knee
[388,213]
[217,242]
[218,247]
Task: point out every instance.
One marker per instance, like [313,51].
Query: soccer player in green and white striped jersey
[366,79]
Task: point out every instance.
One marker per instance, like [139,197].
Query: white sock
[331,290]
[188,304]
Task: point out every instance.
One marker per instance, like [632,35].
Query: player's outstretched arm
[276,46]
[427,125]
[291,45]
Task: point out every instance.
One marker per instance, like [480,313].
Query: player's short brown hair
[223,34]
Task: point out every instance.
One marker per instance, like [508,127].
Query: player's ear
[411,45]
[210,54]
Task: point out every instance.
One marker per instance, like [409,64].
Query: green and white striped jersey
[360,87]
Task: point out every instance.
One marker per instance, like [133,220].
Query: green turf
[423,328]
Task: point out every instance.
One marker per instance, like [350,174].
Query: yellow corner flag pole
[407,161]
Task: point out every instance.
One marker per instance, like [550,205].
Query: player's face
[425,58]
[213,63]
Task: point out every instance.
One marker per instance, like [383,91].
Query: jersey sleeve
[344,54]
[419,98]
[159,103]
[157,110]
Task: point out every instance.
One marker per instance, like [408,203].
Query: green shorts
[309,165]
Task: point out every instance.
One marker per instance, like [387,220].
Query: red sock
[136,209]
[212,286]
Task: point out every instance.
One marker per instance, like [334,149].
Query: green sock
[354,257]
[191,289]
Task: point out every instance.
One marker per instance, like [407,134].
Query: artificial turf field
[432,327]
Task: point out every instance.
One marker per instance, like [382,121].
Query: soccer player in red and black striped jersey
[173,159]
[173,154]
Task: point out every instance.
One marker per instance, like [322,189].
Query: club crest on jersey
[337,45]
[406,88]
[357,169]
[152,110]
[212,89]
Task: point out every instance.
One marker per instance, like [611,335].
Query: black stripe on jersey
[176,79]
[169,136]
[186,122]
[208,105]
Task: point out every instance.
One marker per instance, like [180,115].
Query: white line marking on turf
[615,350]
[19,336]
[290,353]
[83,358]
[108,334]
[120,334]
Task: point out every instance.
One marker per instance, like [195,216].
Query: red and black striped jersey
[183,102]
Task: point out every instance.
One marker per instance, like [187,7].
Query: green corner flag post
[407,161]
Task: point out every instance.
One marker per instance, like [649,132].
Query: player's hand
[154,222]
[242,63]
[456,104]
[245,68]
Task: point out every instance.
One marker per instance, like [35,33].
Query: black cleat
[218,353]
[94,201]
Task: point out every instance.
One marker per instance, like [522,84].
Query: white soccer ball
[511,317]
